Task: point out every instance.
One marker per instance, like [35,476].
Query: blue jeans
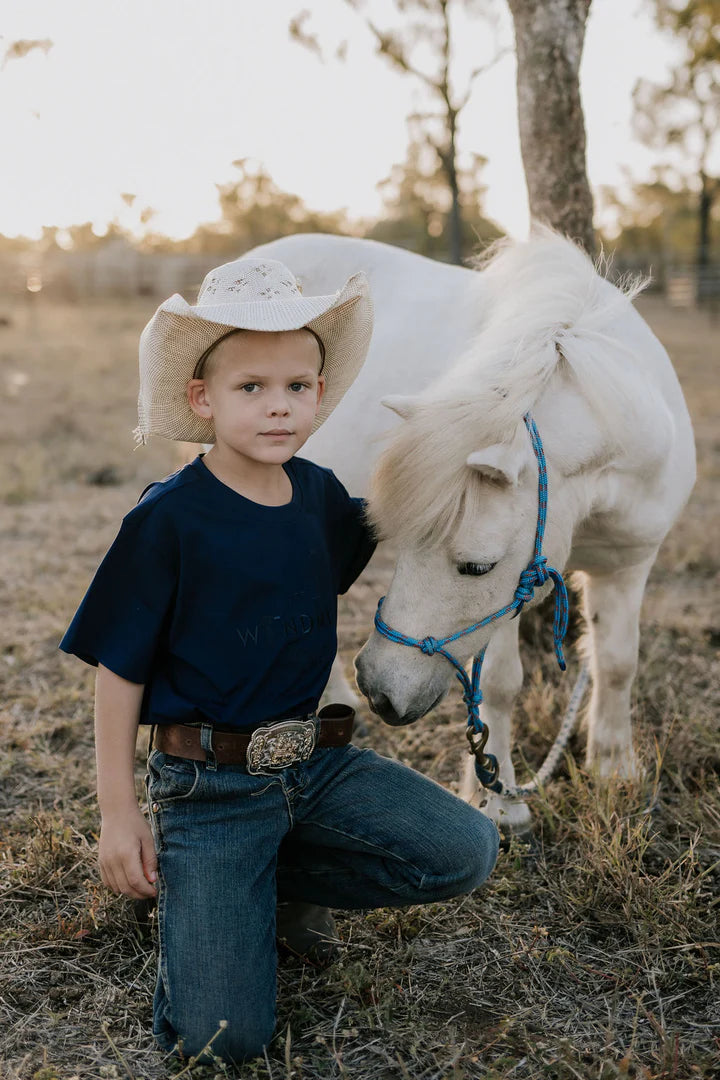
[347,828]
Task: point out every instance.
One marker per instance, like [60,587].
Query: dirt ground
[593,953]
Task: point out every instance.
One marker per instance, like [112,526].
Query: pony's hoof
[511,816]
[614,764]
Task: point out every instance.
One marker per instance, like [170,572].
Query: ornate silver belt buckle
[280,745]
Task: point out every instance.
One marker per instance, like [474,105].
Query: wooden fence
[117,269]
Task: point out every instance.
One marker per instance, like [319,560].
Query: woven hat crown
[254,279]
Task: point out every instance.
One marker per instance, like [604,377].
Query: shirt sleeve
[352,539]
[124,614]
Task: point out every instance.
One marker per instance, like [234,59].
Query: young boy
[212,618]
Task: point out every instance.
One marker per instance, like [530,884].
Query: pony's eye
[476,569]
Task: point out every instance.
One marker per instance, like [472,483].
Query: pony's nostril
[383,707]
[379,704]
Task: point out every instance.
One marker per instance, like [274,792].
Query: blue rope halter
[536,573]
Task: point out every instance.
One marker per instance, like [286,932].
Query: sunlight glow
[133,99]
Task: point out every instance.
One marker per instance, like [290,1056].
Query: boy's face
[262,393]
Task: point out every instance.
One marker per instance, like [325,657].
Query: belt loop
[206,732]
[151,740]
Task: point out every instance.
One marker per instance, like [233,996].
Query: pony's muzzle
[394,693]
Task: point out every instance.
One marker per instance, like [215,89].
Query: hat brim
[178,334]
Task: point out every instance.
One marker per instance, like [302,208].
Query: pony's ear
[403,406]
[501,463]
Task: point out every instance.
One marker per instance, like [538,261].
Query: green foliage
[253,210]
[696,22]
[657,219]
[681,117]
[422,46]
[19,49]
[416,210]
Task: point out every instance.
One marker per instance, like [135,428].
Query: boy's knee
[484,852]
[474,855]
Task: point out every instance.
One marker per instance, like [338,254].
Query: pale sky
[158,97]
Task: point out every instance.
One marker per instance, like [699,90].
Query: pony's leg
[339,691]
[612,611]
[502,678]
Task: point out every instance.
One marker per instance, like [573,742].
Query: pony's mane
[545,303]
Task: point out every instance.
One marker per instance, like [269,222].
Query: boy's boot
[307,931]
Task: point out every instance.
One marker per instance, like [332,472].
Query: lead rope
[536,573]
[555,752]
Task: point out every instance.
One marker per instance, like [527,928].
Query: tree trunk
[703,242]
[704,211]
[549,38]
[455,215]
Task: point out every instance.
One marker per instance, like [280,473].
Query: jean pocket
[171,779]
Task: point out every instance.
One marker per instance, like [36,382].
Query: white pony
[535,329]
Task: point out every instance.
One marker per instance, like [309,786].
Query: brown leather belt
[271,746]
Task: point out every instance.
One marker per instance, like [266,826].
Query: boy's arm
[128,863]
[360,542]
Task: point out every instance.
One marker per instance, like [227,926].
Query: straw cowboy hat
[252,294]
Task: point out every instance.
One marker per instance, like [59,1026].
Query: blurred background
[144,143]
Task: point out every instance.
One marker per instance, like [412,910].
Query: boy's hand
[128,863]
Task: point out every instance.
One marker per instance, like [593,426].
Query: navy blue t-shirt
[224,608]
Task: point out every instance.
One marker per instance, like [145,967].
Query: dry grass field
[592,955]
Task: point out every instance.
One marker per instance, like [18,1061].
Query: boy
[212,619]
